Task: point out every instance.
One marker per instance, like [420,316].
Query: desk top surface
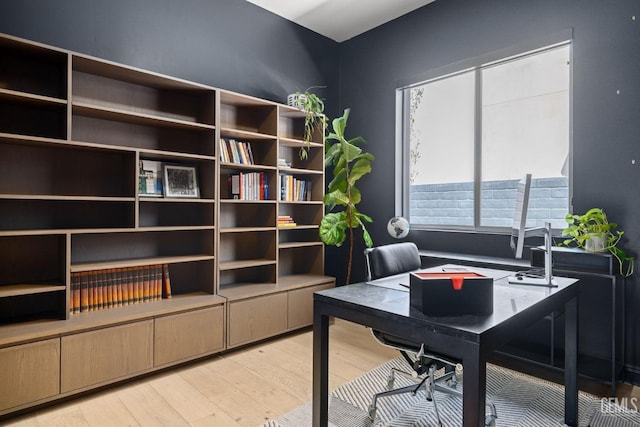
[390,295]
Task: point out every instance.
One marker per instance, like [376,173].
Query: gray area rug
[520,400]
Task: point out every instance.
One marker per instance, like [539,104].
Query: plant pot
[597,242]
[296,100]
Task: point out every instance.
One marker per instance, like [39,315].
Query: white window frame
[402,123]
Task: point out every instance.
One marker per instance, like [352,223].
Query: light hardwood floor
[240,388]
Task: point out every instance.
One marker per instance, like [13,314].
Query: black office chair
[398,258]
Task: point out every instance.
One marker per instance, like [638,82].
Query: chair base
[446,383]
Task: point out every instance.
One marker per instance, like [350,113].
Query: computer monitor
[520,233]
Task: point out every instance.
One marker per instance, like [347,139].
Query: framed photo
[180,181]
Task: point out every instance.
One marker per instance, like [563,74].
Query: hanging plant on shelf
[350,163]
[314,119]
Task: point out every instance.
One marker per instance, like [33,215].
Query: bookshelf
[84,148]
[300,251]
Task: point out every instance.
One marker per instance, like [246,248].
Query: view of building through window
[491,124]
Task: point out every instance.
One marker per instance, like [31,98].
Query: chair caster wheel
[372,412]
[490,420]
[391,379]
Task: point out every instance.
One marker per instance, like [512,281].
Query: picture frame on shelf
[150,179]
[181,181]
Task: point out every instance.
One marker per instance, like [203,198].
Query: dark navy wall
[229,44]
[606,124]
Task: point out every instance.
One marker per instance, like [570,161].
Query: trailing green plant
[583,230]
[350,163]
[314,119]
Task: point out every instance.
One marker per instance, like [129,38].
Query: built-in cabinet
[76,218]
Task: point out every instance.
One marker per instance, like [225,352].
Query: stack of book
[293,189]
[285,221]
[249,186]
[116,287]
[283,163]
[232,151]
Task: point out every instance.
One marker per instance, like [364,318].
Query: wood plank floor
[245,387]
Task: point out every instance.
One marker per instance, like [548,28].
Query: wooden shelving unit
[74,132]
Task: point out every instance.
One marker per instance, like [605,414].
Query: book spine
[110,285]
[158,281]
[84,291]
[75,293]
[166,290]
[131,286]
[146,283]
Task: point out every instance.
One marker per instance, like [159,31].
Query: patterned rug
[520,401]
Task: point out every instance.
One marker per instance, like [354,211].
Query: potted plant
[313,107]
[350,163]
[593,232]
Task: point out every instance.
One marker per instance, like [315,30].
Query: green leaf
[336,197]
[365,217]
[331,154]
[350,152]
[359,169]
[332,229]
[339,182]
[367,237]
[339,124]
[356,140]
[356,196]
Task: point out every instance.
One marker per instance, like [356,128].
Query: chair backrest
[388,260]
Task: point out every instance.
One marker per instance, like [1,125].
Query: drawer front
[104,355]
[29,372]
[257,318]
[188,335]
[300,307]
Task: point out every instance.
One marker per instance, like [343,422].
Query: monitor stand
[526,278]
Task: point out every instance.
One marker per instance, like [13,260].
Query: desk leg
[571,363]
[474,388]
[320,369]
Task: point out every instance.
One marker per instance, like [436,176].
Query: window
[471,135]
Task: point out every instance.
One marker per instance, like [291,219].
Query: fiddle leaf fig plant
[593,232]
[350,163]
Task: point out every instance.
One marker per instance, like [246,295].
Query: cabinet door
[300,307]
[188,335]
[29,372]
[90,358]
[256,318]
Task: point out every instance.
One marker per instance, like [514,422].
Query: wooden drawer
[94,357]
[188,335]
[300,307]
[29,372]
[257,318]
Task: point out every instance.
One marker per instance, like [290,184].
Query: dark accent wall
[228,44]
[606,124]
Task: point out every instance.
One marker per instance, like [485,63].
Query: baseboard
[631,375]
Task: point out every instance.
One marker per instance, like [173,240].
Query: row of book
[293,189]
[232,151]
[116,287]
[285,221]
[249,186]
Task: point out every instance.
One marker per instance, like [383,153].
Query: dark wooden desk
[384,305]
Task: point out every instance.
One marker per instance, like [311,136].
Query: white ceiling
[340,20]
